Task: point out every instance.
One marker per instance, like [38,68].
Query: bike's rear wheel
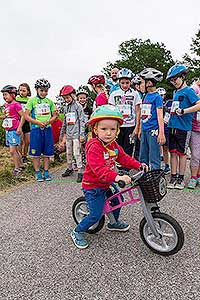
[80,210]
[171,238]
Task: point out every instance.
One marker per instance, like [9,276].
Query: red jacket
[56,128]
[100,168]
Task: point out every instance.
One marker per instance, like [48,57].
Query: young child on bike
[40,112]
[152,136]
[102,152]
[72,131]
[185,103]
[24,92]
[12,123]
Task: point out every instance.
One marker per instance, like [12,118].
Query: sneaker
[192,183]
[68,172]
[79,178]
[46,176]
[25,160]
[180,184]
[79,240]
[172,183]
[118,226]
[75,168]
[166,169]
[16,172]
[39,177]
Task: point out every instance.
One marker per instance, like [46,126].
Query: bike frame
[146,207]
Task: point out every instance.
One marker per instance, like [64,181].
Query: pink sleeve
[101,99]
[18,106]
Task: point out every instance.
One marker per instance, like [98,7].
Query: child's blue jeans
[150,149]
[95,199]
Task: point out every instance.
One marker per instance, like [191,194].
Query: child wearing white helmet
[166,114]
[152,136]
[128,101]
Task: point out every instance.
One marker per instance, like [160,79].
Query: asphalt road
[39,261]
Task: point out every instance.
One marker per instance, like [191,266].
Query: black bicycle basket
[153,186]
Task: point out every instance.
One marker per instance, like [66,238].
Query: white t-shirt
[126,102]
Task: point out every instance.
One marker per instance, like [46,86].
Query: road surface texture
[39,261]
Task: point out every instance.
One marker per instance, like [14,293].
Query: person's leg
[195,158]
[26,144]
[127,146]
[78,158]
[154,151]
[144,148]
[15,156]
[95,199]
[69,154]
[183,138]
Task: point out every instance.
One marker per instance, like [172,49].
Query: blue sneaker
[46,176]
[79,240]
[167,170]
[39,177]
[118,226]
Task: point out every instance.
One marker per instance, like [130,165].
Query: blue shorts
[41,142]
[12,139]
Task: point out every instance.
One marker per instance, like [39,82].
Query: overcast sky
[68,41]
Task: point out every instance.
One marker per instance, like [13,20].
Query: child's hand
[82,139]
[124,178]
[144,167]
[161,139]
[19,131]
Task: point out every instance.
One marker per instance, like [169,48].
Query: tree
[137,54]
[193,60]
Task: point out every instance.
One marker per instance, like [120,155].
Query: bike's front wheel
[80,210]
[171,237]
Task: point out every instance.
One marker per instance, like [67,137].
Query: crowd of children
[153,126]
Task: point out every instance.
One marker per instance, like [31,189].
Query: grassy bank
[8,181]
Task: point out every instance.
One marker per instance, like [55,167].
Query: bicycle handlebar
[135,177]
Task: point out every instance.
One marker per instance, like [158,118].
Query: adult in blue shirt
[112,84]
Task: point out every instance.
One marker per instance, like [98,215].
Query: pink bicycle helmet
[96,79]
[67,90]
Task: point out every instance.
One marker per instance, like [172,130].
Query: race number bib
[7,123]
[175,105]
[42,109]
[198,116]
[125,109]
[71,118]
[146,110]
[166,118]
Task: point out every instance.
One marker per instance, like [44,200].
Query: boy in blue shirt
[152,120]
[185,103]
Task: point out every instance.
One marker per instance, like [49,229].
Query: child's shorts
[12,138]
[26,127]
[178,141]
[41,142]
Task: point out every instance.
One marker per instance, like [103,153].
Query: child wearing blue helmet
[185,103]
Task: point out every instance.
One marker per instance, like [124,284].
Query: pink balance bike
[160,232]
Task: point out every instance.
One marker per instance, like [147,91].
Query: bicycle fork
[147,210]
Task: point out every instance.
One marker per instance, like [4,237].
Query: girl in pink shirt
[97,83]
[12,123]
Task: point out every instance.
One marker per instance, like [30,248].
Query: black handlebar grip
[121,183]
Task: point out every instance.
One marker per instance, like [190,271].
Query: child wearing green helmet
[102,152]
